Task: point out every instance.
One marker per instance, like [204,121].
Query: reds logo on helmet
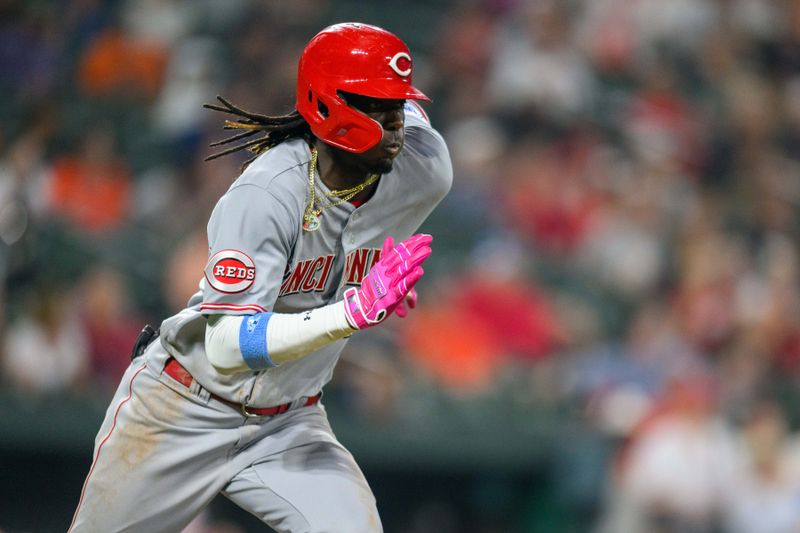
[230,271]
[401,63]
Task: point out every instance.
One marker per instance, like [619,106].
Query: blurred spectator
[23,179]
[161,22]
[487,316]
[495,291]
[544,194]
[191,78]
[120,65]
[455,352]
[91,188]
[536,67]
[618,380]
[766,485]
[663,127]
[111,323]
[675,471]
[704,298]
[624,33]
[767,300]
[463,50]
[607,32]
[46,350]
[624,250]
[477,146]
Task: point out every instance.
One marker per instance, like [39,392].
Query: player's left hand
[388,283]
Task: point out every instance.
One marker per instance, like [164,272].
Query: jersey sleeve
[250,241]
[429,166]
[415,115]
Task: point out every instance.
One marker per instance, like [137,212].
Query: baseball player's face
[390,115]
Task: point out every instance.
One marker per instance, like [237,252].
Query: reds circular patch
[230,271]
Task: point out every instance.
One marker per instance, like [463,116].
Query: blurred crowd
[619,249]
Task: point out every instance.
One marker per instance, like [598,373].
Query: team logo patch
[230,271]
[252,323]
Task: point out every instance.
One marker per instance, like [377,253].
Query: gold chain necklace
[314,210]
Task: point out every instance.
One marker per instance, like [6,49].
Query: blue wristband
[253,341]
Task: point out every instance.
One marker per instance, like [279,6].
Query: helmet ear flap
[341,126]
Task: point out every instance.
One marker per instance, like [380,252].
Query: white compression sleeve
[288,337]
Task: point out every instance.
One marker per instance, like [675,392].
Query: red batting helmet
[352,58]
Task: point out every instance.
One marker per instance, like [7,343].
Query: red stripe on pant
[100,447]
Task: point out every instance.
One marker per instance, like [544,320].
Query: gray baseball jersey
[260,258]
[168,445]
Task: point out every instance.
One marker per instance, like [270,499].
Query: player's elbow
[222,345]
[223,361]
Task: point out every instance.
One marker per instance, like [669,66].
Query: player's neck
[337,173]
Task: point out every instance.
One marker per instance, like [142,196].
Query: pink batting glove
[388,282]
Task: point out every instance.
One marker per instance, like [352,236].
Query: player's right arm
[250,241]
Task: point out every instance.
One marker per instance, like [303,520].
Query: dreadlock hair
[275,130]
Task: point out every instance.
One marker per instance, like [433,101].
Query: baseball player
[314,241]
